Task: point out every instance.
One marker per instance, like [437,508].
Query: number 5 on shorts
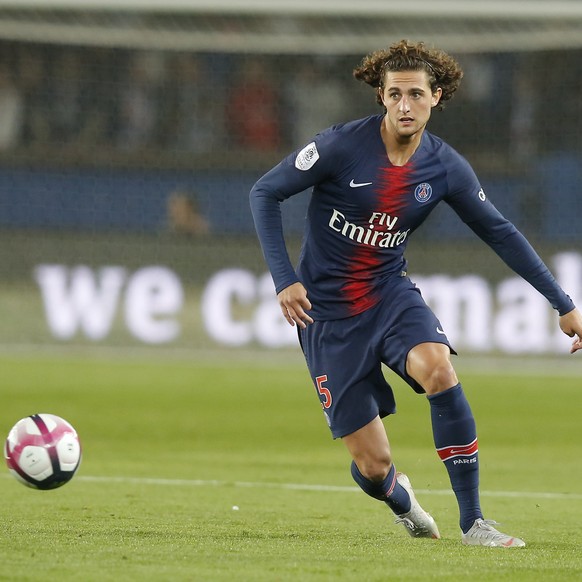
[323,391]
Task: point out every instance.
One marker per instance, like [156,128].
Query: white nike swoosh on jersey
[439,330]
[359,184]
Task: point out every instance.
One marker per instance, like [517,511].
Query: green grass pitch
[173,448]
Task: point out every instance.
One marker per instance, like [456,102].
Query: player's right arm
[296,173]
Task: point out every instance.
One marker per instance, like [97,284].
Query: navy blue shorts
[345,356]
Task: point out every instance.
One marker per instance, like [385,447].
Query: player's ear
[436,96]
[381,94]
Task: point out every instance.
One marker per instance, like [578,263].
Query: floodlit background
[131,133]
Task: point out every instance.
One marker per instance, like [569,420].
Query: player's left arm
[514,249]
[571,325]
[518,254]
[469,201]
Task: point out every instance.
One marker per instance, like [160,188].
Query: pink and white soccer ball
[43,451]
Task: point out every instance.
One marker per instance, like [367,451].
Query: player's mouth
[406,120]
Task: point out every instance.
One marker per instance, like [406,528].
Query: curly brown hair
[442,69]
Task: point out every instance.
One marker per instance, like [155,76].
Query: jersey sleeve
[468,200]
[299,171]
[466,196]
[502,236]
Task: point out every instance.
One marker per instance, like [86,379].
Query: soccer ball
[43,451]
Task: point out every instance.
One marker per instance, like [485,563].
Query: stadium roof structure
[327,27]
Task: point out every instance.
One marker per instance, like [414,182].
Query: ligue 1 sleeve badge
[423,192]
[307,157]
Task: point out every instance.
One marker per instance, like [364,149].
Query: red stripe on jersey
[359,291]
[393,188]
[393,184]
[446,453]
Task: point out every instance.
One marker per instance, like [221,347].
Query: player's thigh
[413,326]
[346,372]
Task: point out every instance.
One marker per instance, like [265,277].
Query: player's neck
[400,149]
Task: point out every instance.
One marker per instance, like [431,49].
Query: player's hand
[571,325]
[294,303]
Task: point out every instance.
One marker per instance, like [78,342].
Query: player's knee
[442,377]
[430,366]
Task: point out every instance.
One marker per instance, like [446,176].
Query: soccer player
[374,182]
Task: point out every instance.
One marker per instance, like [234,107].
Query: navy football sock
[455,438]
[389,490]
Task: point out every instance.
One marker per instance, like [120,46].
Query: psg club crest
[423,192]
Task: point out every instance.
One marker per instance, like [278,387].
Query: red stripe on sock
[392,485]
[446,453]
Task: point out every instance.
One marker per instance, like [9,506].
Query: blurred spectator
[140,102]
[524,147]
[184,216]
[253,108]
[317,100]
[11,109]
[72,103]
[33,80]
[103,78]
[194,116]
[211,103]
[484,96]
[559,122]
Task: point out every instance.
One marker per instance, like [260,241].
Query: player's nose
[404,105]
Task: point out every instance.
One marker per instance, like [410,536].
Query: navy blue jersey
[363,211]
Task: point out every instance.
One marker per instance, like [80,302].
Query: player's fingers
[576,345]
[287,315]
[293,315]
[304,316]
[301,307]
[296,318]
[298,315]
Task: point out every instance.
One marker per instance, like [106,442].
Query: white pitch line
[308,487]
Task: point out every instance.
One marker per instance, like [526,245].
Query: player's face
[409,100]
